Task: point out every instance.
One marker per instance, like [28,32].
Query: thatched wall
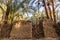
[49,29]
[22,29]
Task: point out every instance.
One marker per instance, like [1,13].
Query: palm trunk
[38,5]
[46,8]
[53,11]
[7,13]
[49,11]
[6,29]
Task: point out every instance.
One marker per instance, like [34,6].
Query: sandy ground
[48,38]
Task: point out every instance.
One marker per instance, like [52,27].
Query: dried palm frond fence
[22,30]
[46,27]
[19,29]
[5,30]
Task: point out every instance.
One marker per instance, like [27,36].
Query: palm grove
[17,8]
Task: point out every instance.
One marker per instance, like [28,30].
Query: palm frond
[2,9]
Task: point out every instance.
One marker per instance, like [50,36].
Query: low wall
[49,30]
[21,29]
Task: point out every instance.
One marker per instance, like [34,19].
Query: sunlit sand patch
[17,25]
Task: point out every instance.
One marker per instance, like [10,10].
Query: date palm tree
[54,15]
[12,7]
[45,4]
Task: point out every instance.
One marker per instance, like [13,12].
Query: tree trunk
[50,11]
[53,11]
[46,8]
[38,5]
[7,13]
[6,28]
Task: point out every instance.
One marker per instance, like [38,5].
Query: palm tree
[54,15]
[11,9]
[49,4]
[46,8]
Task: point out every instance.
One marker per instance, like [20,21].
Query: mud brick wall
[21,29]
[49,30]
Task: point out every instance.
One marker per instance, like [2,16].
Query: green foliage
[20,14]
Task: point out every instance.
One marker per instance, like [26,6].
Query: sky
[43,8]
